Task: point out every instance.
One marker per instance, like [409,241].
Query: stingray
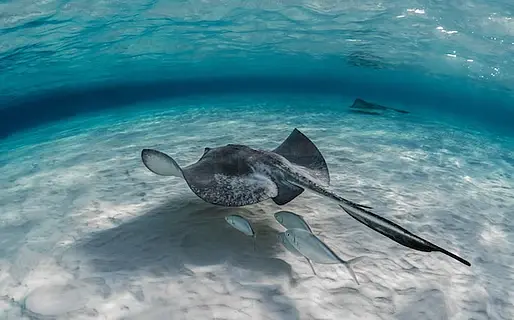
[237,175]
[362,106]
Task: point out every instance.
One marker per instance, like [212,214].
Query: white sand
[87,232]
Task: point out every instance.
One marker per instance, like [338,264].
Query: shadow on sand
[182,235]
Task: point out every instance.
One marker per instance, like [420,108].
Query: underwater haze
[87,232]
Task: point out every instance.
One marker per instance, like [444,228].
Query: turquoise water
[88,233]
[97,54]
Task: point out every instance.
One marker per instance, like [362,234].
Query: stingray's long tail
[397,233]
[454,256]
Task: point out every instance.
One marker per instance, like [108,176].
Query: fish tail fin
[348,264]
[350,270]
[312,267]
[355,260]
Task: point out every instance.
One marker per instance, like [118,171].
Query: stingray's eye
[206,150]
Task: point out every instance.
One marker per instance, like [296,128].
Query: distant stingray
[237,175]
[365,107]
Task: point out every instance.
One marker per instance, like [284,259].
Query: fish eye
[205,150]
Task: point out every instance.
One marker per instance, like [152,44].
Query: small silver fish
[316,250]
[285,242]
[291,220]
[241,224]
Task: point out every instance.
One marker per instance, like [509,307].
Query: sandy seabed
[87,232]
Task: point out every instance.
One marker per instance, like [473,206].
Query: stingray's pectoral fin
[286,192]
[300,150]
[160,163]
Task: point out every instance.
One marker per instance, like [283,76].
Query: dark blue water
[60,59]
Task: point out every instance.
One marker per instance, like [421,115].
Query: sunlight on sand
[89,233]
